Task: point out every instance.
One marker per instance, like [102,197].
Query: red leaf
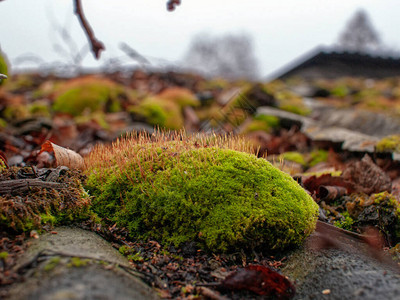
[314,182]
[260,280]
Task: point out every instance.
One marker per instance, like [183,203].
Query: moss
[52,263]
[389,144]
[296,157]
[3,166]
[97,117]
[39,109]
[263,123]
[88,94]
[135,257]
[180,192]
[159,112]
[389,213]
[346,222]
[3,65]
[272,121]
[380,210]
[3,255]
[41,206]
[181,96]
[48,219]
[16,112]
[78,262]
[317,156]
[21,83]
[333,173]
[214,84]
[340,91]
[125,250]
[291,102]
[3,123]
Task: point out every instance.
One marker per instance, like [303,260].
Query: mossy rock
[294,156]
[179,192]
[21,83]
[181,96]
[389,144]
[24,211]
[159,112]
[253,96]
[381,210]
[88,94]
[39,108]
[15,112]
[317,156]
[263,122]
[291,102]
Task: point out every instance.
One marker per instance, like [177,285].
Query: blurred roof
[332,63]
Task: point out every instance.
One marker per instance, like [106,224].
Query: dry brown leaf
[367,177]
[63,156]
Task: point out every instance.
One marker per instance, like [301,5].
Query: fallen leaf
[63,156]
[260,280]
[367,177]
[313,183]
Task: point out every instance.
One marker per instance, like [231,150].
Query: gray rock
[369,123]
[355,131]
[346,274]
[350,140]
[285,116]
[77,264]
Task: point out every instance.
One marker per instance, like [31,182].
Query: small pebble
[326,291]
[34,234]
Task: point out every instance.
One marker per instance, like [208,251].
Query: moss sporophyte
[177,188]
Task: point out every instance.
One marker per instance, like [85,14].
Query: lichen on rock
[180,189]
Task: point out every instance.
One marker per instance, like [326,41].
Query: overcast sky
[282,30]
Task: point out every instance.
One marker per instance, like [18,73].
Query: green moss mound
[88,94]
[223,200]
[317,156]
[159,112]
[296,157]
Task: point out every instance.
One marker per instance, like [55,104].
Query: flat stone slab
[367,122]
[75,241]
[331,127]
[77,264]
[350,140]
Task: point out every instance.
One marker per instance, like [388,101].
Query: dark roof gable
[323,63]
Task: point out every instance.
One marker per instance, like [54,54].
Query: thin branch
[96,45]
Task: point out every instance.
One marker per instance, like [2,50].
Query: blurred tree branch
[96,45]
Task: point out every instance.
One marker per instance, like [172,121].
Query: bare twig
[133,54]
[96,45]
[23,185]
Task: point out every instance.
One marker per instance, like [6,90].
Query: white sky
[282,30]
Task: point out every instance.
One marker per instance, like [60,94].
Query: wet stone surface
[337,274]
[77,264]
